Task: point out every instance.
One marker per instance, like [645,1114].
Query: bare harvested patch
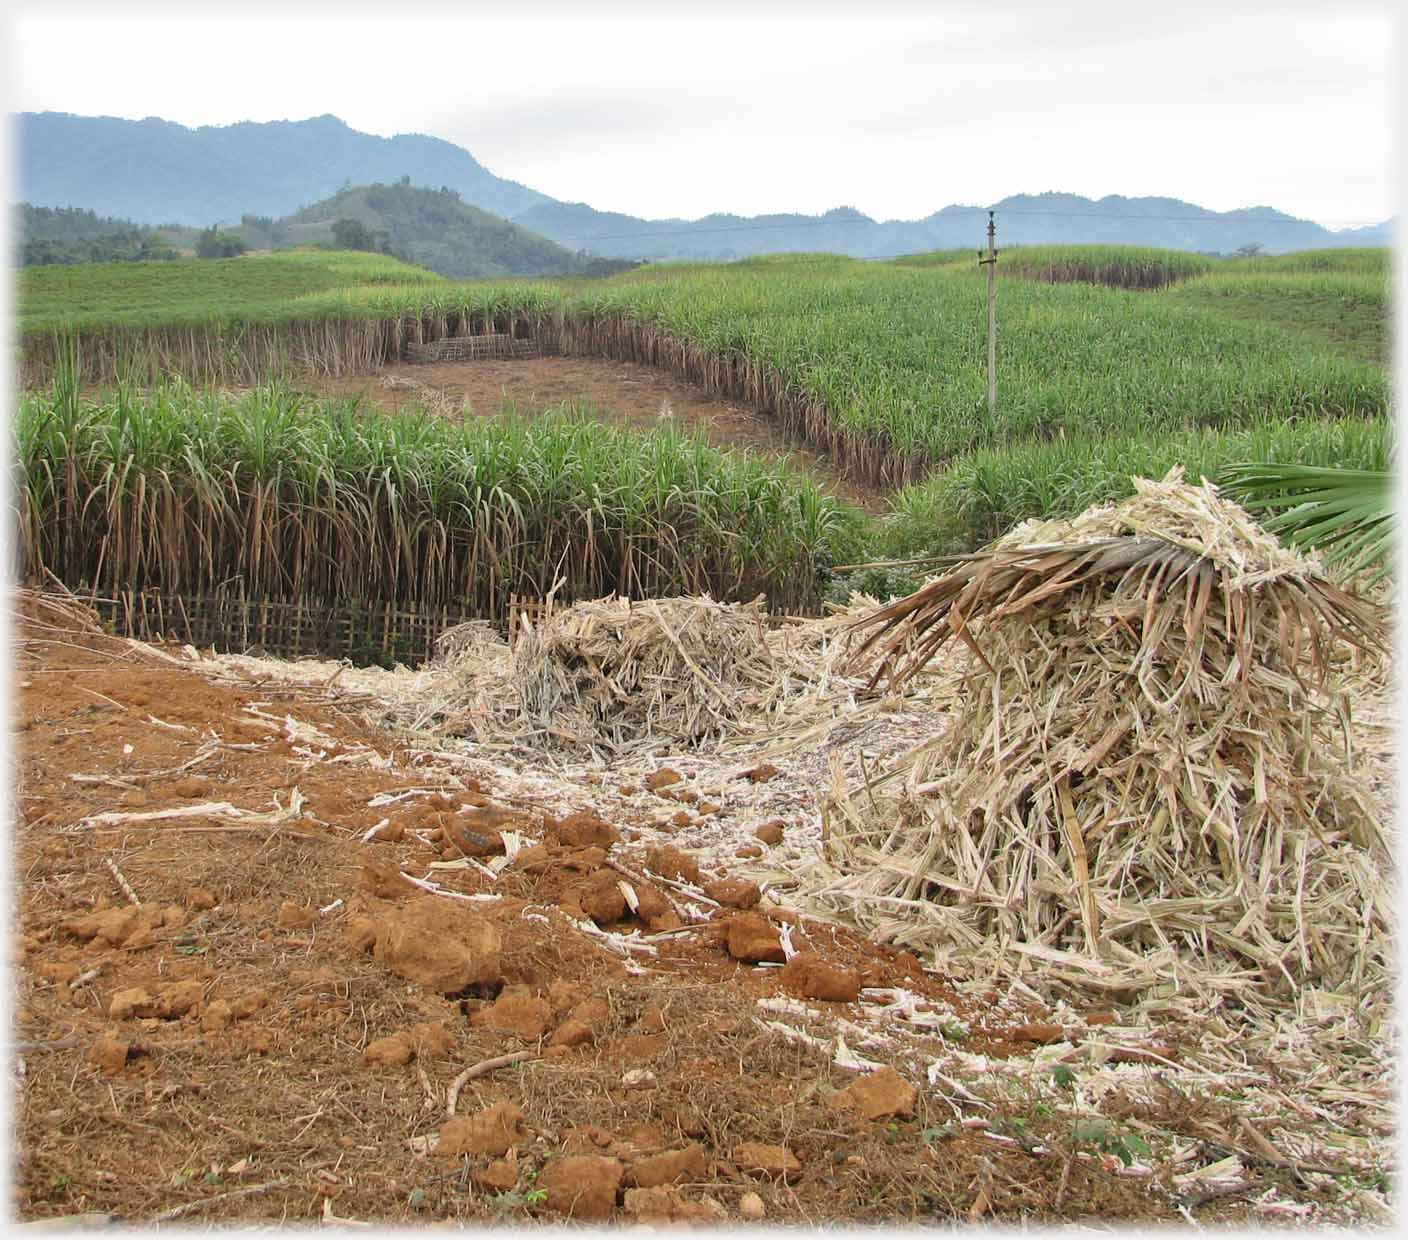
[625,393]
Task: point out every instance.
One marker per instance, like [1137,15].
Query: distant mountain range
[153,171]
[1023,219]
[157,172]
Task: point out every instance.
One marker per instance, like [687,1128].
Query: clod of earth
[586,1138]
[774,1161]
[178,998]
[392,1051]
[385,882]
[116,927]
[582,1186]
[217,1015]
[516,1011]
[571,1033]
[432,1039]
[60,972]
[439,945]
[500,1176]
[424,1041]
[597,896]
[583,860]
[770,832]
[807,976]
[109,1054]
[593,1012]
[878,1094]
[360,933]
[644,1136]
[131,1001]
[654,909]
[663,778]
[463,836]
[189,788]
[733,892]
[667,1205]
[668,1168]
[562,995]
[638,1047]
[493,1131]
[1142,1054]
[295,916]
[249,1003]
[585,829]
[752,937]
[671,863]
[535,859]
[1045,1034]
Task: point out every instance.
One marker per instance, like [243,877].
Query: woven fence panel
[283,628]
[471,348]
[365,633]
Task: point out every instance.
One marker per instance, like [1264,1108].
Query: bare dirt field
[276,964]
[625,393]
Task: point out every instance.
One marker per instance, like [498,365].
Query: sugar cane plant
[274,495]
[878,365]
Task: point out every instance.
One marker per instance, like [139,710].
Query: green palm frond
[1345,514]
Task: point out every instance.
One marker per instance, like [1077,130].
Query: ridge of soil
[209,1002]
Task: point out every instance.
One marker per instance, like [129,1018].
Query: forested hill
[47,235]
[434,229]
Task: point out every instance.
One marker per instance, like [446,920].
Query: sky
[679,110]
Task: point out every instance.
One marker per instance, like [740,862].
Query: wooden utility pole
[989,260]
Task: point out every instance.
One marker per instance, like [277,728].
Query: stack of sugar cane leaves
[431,399]
[1149,790]
[601,679]
[610,676]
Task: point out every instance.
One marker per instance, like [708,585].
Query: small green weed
[507,1203]
[1104,1136]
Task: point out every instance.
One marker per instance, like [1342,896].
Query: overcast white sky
[680,110]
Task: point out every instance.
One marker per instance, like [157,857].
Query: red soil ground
[210,1002]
